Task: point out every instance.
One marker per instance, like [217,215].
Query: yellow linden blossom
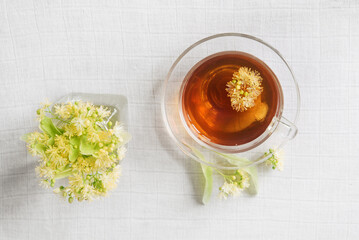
[234,184]
[45,104]
[59,161]
[78,142]
[63,111]
[276,160]
[93,135]
[75,109]
[79,123]
[84,165]
[76,182]
[52,152]
[44,171]
[103,160]
[118,130]
[121,152]
[38,137]
[33,151]
[90,108]
[87,192]
[41,112]
[55,158]
[71,130]
[105,136]
[103,112]
[45,184]
[110,180]
[244,88]
[63,145]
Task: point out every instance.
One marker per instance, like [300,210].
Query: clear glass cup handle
[287,129]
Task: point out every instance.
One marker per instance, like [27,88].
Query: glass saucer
[281,132]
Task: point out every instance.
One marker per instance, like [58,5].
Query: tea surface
[207,109]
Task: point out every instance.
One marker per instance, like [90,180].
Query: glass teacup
[278,132]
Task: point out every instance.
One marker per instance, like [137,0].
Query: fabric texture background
[49,48]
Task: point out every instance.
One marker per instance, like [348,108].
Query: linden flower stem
[222,174]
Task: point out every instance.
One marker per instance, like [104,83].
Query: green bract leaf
[74,148]
[48,127]
[51,141]
[74,153]
[87,148]
[67,171]
[40,148]
[207,172]
[75,141]
[234,160]
[253,173]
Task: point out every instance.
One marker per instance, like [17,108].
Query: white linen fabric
[49,48]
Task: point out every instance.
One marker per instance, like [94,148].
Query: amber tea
[207,109]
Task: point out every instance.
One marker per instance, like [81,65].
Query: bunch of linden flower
[78,142]
[237,182]
[234,184]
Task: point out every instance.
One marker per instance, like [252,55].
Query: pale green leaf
[75,141]
[235,160]
[48,127]
[74,153]
[74,148]
[63,174]
[63,168]
[40,148]
[51,141]
[253,173]
[207,172]
[87,148]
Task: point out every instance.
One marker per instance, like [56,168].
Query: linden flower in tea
[79,142]
[244,88]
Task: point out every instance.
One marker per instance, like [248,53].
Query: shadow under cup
[206,112]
